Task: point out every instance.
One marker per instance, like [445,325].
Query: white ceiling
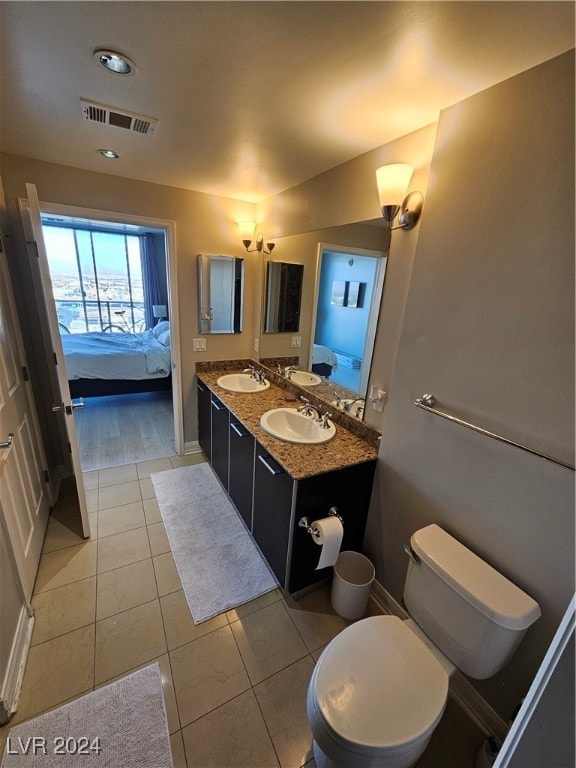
[254,97]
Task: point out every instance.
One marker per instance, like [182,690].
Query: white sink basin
[241,382]
[292,426]
[304,378]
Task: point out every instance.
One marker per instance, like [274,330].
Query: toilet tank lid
[471,577]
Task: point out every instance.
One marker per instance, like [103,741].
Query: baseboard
[461,690]
[12,683]
[192,447]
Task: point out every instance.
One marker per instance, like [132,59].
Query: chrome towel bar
[428,403]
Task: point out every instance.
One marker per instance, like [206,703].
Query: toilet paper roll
[328,533]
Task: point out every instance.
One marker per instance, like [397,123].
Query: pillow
[161,327]
[164,338]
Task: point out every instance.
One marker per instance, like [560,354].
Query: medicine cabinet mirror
[220,300]
[282,297]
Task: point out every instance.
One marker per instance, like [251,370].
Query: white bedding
[115,356]
[322,354]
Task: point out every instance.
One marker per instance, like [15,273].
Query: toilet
[380,687]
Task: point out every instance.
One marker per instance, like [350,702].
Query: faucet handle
[324,420]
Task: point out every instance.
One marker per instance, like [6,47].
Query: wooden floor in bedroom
[125,428]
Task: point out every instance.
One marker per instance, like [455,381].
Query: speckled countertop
[300,461]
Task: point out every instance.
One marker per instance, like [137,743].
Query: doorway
[348,294]
[105,293]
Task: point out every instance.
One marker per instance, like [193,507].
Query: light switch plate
[296,341]
[199,345]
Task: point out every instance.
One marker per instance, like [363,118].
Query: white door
[23,491]
[30,212]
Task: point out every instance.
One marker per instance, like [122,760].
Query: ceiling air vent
[100,113]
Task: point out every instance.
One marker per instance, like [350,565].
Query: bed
[324,361]
[104,363]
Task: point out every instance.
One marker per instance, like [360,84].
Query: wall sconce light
[393,181]
[246,229]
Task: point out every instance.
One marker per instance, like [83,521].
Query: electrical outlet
[256,344]
[199,345]
[378,405]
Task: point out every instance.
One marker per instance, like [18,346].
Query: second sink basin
[241,382]
[291,425]
[304,378]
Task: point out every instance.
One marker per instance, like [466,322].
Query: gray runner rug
[219,564]
[122,725]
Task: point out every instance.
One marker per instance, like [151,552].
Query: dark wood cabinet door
[272,505]
[220,440]
[204,420]
[241,472]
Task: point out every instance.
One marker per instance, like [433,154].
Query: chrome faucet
[308,409]
[289,370]
[348,407]
[256,374]
[324,423]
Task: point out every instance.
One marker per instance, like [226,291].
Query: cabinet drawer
[241,469]
[220,440]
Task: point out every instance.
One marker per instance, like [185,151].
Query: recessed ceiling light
[109,154]
[115,62]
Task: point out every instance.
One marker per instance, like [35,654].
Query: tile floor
[234,686]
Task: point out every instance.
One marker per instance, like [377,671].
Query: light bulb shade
[392,181]
[246,230]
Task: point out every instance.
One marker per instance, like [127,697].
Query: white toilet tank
[474,614]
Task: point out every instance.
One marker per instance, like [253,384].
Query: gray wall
[488,329]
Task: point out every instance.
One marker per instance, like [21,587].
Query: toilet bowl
[380,687]
[375,696]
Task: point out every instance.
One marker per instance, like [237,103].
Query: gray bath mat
[122,725]
[219,564]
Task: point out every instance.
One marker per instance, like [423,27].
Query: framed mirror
[283,295]
[221,289]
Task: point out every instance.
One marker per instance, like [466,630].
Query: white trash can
[353,577]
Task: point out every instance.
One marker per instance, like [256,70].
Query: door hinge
[25,373]
[55,358]
[46,476]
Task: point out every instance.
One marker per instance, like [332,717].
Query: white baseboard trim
[192,447]
[12,683]
[461,690]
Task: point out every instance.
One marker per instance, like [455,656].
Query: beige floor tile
[178,753]
[152,511]
[92,497]
[117,495]
[147,489]
[119,519]
[57,670]
[126,640]
[167,577]
[64,566]
[178,624]
[254,605]
[63,533]
[159,543]
[206,673]
[232,735]
[90,480]
[268,641]
[282,700]
[188,460]
[318,652]
[124,473]
[122,549]
[64,609]
[124,588]
[146,468]
[93,521]
[316,620]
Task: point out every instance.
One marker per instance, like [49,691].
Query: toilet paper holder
[304,522]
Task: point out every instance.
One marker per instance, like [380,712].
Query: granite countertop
[300,461]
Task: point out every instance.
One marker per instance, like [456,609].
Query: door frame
[169,229]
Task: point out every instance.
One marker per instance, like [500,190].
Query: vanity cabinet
[271,502]
[272,510]
[220,439]
[204,419]
[241,469]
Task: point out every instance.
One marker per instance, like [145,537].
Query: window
[96,279]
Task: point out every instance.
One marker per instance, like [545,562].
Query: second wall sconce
[393,181]
[247,234]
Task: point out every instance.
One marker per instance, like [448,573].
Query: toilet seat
[377,687]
